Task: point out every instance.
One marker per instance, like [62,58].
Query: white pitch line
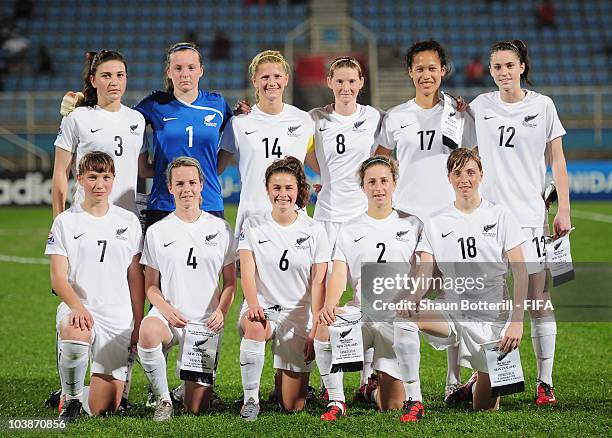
[23,260]
[599,217]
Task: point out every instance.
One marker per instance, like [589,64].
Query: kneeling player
[94,249]
[380,235]
[283,261]
[472,236]
[184,255]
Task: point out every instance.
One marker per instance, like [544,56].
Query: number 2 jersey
[368,240]
[185,129]
[118,133]
[258,139]
[511,139]
[342,143]
[190,258]
[416,136]
[284,257]
[99,251]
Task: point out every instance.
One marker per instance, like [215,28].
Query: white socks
[252,354]
[72,367]
[407,348]
[453,372]
[332,381]
[153,363]
[368,357]
[543,337]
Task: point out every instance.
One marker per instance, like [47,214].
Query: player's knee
[322,334]
[149,335]
[253,330]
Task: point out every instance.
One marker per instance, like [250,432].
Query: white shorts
[178,335]
[534,249]
[289,335]
[469,337]
[109,349]
[379,336]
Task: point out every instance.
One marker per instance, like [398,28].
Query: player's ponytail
[92,62]
[520,48]
[292,166]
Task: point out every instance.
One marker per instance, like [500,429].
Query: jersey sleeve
[379,127]
[339,251]
[554,128]
[512,235]
[228,139]
[385,135]
[322,252]
[68,135]
[148,257]
[56,242]
[424,245]
[230,251]
[244,240]
[468,139]
[136,242]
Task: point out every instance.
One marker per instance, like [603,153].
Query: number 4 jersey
[258,139]
[120,134]
[99,251]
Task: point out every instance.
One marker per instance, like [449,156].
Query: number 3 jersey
[473,243]
[190,258]
[258,139]
[99,251]
[368,240]
[342,143]
[511,139]
[118,133]
[415,135]
[284,257]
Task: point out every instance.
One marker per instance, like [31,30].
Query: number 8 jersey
[257,139]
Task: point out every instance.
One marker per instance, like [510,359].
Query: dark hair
[292,166]
[459,158]
[178,47]
[92,62]
[378,159]
[426,46]
[96,161]
[518,47]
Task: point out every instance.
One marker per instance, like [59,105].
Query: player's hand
[173,316]
[242,107]
[81,318]
[512,337]
[327,315]
[562,223]
[70,102]
[462,105]
[256,313]
[317,188]
[215,321]
[309,353]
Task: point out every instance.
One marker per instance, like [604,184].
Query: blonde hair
[184,162]
[267,56]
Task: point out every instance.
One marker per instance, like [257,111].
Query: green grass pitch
[582,366]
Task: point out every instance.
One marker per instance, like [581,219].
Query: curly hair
[292,166]
[378,159]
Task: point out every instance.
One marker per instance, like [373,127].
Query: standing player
[380,235]
[94,248]
[484,237]
[272,130]
[101,123]
[283,258]
[516,129]
[345,134]
[184,255]
[414,130]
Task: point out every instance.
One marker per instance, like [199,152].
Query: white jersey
[99,251]
[511,139]
[416,136]
[342,143]
[284,257]
[258,139]
[190,258]
[474,242]
[120,134]
[368,240]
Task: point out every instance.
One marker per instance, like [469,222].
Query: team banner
[199,353]
[452,126]
[505,371]
[559,260]
[346,343]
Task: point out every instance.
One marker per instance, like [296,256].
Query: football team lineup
[294,266]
